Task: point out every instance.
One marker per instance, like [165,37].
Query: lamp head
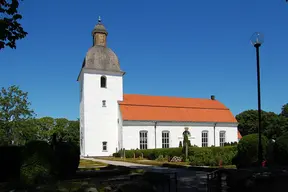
[257,39]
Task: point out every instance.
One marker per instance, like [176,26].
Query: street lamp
[257,40]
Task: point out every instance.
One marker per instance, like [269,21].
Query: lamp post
[257,40]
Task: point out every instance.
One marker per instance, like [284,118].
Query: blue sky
[174,48]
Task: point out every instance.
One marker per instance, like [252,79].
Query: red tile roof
[239,135]
[163,108]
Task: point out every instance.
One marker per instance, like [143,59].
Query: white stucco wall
[131,136]
[120,129]
[100,123]
[82,136]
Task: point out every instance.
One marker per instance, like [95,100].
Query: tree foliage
[273,125]
[284,110]
[10,28]
[14,114]
[18,125]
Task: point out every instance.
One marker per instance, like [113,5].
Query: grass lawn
[158,163]
[90,164]
[144,161]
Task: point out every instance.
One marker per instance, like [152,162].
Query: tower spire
[99,34]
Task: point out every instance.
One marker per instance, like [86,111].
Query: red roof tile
[163,108]
[239,135]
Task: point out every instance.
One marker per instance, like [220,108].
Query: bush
[198,156]
[230,144]
[37,160]
[270,156]
[247,151]
[150,154]
[10,159]
[67,159]
[211,156]
[281,150]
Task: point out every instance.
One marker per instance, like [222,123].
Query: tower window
[103,82]
[104,146]
[103,103]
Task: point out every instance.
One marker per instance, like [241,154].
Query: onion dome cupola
[99,34]
[99,57]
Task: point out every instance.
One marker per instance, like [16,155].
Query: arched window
[165,139]
[222,137]
[204,138]
[103,82]
[143,139]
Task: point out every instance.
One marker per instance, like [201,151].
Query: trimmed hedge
[198,156]
[212,156]
[150,154]
[281,150]
[247,151]
[37,162]
[10,159]
[67,159]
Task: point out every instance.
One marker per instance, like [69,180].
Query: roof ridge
[177,97]
[173,106]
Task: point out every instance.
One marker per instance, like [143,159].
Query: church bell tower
[101,88]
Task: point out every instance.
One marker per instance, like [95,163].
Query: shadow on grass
[191,168]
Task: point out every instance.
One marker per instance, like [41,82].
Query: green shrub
[67,159]
[281,150]
[37,160]
[230,144]
[10,159]
[211,156]
[198,156]
[270,154]
[162,158]
[247,150]
[151,154]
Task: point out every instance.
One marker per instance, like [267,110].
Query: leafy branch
[10,28]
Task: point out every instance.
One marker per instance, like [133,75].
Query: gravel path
[117,163]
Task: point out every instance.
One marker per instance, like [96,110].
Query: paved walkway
[117,163]
[188,180]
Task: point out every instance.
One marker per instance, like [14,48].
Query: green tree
[46,127]
[26,131]
[273,125]
[10,28]
[63,128]
[14,111]
[248,122]
[73,132]
[284,110]
[61,125]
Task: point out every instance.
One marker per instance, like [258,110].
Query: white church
[111,120]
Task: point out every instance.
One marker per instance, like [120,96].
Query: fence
[214,181]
